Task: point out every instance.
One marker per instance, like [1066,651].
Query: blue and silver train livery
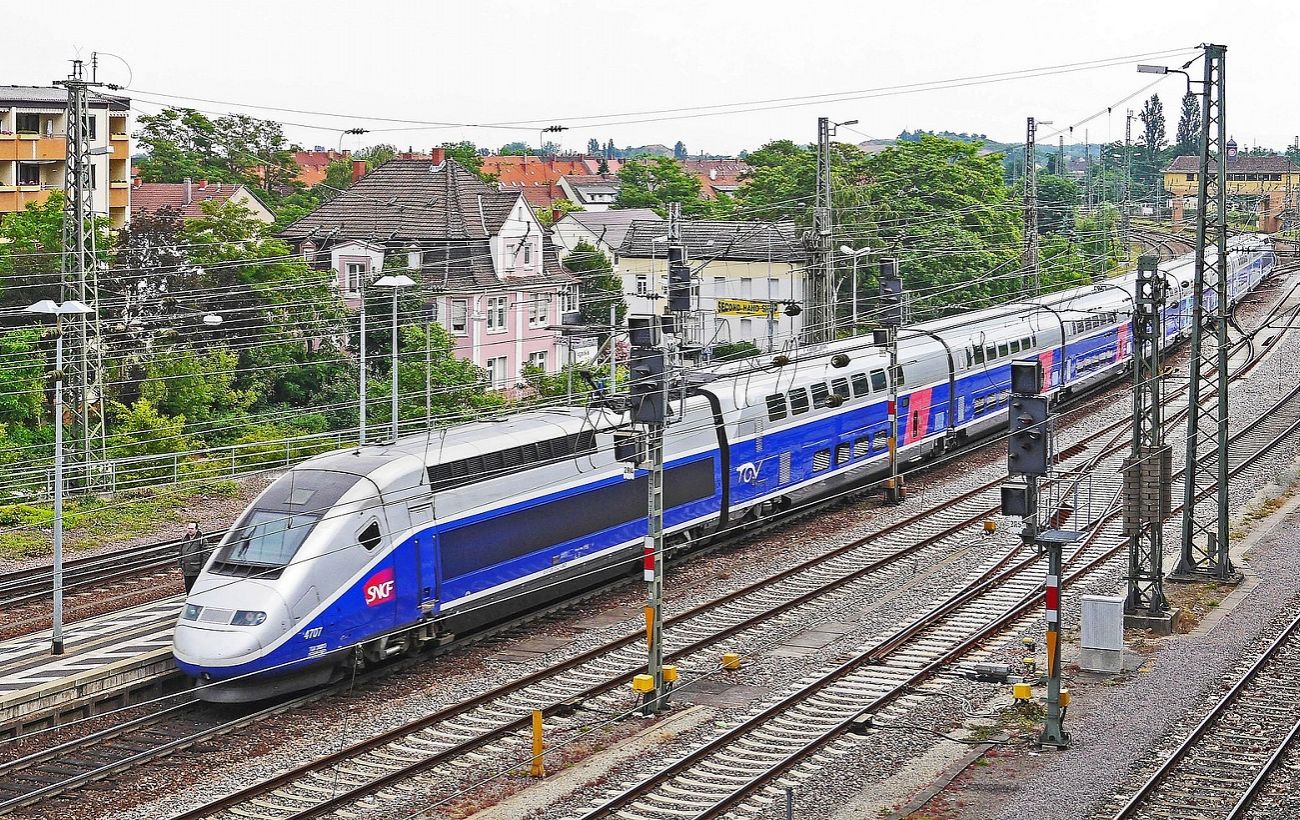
[363,554]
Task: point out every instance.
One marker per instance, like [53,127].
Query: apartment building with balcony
[33,149]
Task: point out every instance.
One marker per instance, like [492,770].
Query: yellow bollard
[731,660]
[670,673]
[538,768]
[1022,692]
[643,684]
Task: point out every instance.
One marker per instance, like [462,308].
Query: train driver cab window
[798,401]
[369,537]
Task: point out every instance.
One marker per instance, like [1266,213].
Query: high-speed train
[363,554]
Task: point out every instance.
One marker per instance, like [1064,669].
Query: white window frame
[496,314]
[642,284]
[458,310]
[570,299]
[539,309]
[353,287]
[528,254]
[496,368]
[538,359]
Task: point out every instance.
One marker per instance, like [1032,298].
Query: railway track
[494,720]
[1223,766]
[27,586]
[738,764]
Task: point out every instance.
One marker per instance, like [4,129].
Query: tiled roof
[151,196]
[513,171]
[414,201]
[54,98]
[732,241]
[313,165]
[716,176]
[1240,164]
[610,227]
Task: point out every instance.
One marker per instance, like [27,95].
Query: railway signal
[1029,457]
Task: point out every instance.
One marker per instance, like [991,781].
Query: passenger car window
[878,380]
[861,387]
[798,401]
[819,393]
[776,407]
[840,387]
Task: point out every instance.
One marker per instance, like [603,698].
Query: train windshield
[269,537]
[270,533]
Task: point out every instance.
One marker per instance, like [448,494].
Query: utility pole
[80,282]
[1204,553]
[891,319]
[361,401]
[1148,471]
[1029,255]
[1060,156]
[819,310]
[1126,195]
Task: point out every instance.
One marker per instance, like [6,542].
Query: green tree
[656,181]
[593,146]
[1188,135]
[1058,197]
[193,385]
[516,149]
[374,156]
[182,142]
[140,430]
[22,379]
[562,206]
[601,288]
[679,150]
[467,154]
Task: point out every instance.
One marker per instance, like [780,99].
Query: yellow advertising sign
[742,307]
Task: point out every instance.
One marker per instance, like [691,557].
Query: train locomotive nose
[201,646]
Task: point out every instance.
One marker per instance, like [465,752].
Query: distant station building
[1269,183]
[484,265]
[746,274]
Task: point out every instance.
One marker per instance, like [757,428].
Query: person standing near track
[193,554]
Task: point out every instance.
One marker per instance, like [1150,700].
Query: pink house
[486,268]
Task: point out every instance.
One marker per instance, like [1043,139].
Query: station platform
[108,660]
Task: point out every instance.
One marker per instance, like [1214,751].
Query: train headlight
[247,617]
[191,612]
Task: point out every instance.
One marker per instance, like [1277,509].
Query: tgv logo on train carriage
[380,588]
[747,472]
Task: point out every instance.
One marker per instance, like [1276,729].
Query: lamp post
[396,283]
[50,308]
[853,290]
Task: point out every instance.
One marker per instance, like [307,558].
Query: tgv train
[363,554]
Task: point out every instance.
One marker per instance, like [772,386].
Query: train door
[426,547]
[904,419]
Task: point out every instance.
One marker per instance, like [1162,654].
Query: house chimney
[135,182]
[189,190]
[358,169]
[203,185]
[438,156]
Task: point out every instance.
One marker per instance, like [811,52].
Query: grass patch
[90,521]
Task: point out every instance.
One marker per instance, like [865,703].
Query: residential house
[478,254]
[745,274]
[716,176]
[34,151]
[538,178]
[188,197]
[594,192]
[313,165]
[603,230]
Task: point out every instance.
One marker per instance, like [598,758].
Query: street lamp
[396,283]
[854,255]
[50,308]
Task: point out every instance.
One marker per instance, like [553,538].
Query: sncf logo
[380,588]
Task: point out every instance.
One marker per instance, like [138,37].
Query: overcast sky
[570,62]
